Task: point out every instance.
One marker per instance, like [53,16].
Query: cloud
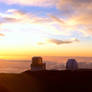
[80,22]
[77,16]
[78,5]
[13,17]
[65,4]
[31,2]
[65,26]
[54,18]
[79,13]
[2,34]
[18,16]
[41,43]
[7,19]
[15,11]
[16,20]
[83,23]
[59,42]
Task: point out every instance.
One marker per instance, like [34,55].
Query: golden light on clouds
[56,28]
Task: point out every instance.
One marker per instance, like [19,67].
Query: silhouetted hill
[47,81]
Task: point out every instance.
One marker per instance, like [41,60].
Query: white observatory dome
[71,64]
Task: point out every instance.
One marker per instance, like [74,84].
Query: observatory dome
[71,64]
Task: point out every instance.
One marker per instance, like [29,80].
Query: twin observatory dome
[38,65]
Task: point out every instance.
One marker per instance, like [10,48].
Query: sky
[45,28]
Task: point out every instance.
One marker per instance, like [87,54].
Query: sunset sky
[45,28]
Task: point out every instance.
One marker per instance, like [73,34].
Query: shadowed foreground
[47,81]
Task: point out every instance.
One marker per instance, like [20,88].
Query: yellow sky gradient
[25,53]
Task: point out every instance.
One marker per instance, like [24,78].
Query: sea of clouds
[52,63]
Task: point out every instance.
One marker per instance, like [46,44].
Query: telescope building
[37,64]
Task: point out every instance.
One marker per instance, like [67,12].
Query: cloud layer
[81,14]
[2,34]
[78,13]
[77,18]
[59,42]
[43,3]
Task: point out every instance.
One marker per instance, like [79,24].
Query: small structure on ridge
[37,64]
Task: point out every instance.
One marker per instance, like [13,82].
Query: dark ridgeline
[63,81]
[47,81]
